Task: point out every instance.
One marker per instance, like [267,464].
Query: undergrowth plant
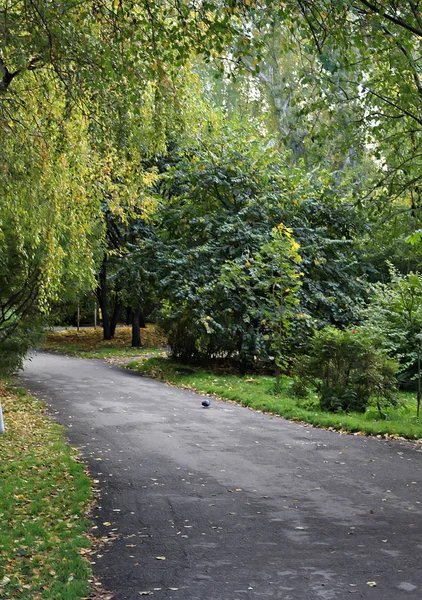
[345,370]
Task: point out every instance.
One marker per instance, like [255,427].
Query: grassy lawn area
[257,392]
[89,343]
[44,498]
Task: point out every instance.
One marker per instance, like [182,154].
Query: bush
[346,370]
[394,320]
[16,342]
[228,267]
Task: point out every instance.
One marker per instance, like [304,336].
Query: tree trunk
[103,301]
[136,331]
[115,317]
[142,321]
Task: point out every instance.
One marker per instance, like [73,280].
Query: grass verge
[89,343]
[257,392]
[44,498]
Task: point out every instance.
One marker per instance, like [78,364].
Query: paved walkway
[228,504]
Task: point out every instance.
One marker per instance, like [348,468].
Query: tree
[130,151]
[93,49]
[47,218]
[221,200]
[76,63]
[369,52]
[221,209]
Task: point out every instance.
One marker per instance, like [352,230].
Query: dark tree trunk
[103,301]
[136,331]
[142,321]
[115,317]
[128,319]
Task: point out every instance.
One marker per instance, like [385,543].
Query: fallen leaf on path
[371,583]
[161,558]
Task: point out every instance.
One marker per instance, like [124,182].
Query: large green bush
[228,266]
[345,369]
[235,218]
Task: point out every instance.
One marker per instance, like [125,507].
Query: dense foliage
[248,246]
[346,370]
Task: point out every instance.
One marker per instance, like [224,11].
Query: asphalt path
[225,503]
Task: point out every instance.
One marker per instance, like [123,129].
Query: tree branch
[415,13]
[6,76]
[396,20]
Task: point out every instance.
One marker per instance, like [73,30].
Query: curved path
[228,504]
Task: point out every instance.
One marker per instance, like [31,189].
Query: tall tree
[369,53]
[47,217]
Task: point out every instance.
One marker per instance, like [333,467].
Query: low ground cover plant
[44,498]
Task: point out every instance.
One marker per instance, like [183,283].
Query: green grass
[257,392]
[44,498]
